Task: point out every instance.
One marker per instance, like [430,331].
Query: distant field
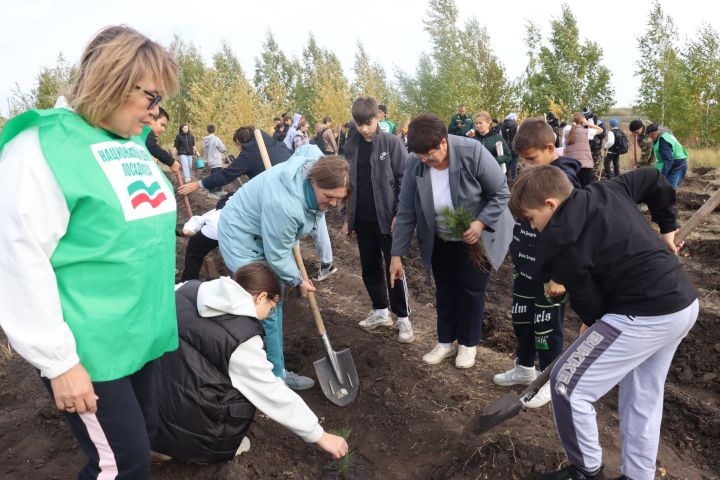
[697,157]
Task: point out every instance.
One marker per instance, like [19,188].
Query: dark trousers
[615,159]
[374,249]
[217,190]
[198,246]
[585,176]
[512,166]
[116,437]
[459,294]
[538,324]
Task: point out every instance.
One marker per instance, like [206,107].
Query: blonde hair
[113,63]
[484,116]
[578,119]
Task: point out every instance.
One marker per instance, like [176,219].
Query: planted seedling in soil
[456,223]
[343,467]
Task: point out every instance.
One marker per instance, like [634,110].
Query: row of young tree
[679,83]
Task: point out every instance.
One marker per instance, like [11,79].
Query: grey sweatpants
[635,352]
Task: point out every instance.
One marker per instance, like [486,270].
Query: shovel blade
[340,393]
[497,412]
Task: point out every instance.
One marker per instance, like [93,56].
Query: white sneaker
[465,357]
[439,353]
[541,397]
[406,334]
[244,447]
[517,375]
[374,320]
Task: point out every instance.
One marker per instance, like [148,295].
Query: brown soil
[408,419]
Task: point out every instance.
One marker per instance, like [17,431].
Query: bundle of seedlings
[456,223]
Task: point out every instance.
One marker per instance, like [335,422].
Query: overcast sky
[34,32]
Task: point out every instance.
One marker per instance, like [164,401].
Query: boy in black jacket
[537,315]
[634,299]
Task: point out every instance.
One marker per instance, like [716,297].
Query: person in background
[184,148]
[612,155]
[328,136]
[212,384]
[508,130]
[451,171]
[342,138]
[460,123]
[486,133]
[385,124]
[670,156]
[292,130]
[214,150]
[301,137]
[157,128]
[576,144]
[402,132]
[88,263]
[202,233]
[643,140]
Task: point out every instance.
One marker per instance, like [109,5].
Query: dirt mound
[409,419]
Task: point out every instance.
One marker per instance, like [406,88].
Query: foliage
[275,78]
[191,68]
[702,62]
[51,83]
[371,81]
[461,68]
[564,75]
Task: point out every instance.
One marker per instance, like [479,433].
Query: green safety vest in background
[115,266]
[678,150]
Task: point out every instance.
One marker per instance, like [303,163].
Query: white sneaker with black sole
[375,320]
[324,272]
[541,397]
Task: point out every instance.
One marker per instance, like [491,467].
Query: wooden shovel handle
[698,217]
[185,198]
[296,249]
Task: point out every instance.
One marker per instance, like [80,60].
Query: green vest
[115,265]
[678,150]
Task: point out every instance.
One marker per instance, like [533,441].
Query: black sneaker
[571,472]
[324,272]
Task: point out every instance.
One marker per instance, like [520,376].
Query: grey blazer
[476,183]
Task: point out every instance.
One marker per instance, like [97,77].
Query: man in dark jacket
[377,163]
[508,129]
[636,304]
[158,126]
[460,123]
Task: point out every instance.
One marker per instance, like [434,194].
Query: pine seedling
[342,467]
[457,222]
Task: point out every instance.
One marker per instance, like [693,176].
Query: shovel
[511,404]
[336,372]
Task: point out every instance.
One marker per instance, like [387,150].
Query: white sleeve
[194,224]
[34,218]
[251,373]
[565,131]
[609,139]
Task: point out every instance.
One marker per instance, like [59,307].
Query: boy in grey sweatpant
[634,299]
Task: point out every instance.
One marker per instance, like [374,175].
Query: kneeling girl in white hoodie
[211,385]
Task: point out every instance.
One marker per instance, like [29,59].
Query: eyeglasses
[154,98]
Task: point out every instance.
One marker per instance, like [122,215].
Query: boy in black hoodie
[537,312]
[634,299]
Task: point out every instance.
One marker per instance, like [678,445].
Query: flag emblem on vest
[141,193]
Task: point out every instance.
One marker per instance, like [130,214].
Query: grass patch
[6,351]
[697,157]
[342,468]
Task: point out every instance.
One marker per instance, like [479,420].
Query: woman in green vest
[88,247]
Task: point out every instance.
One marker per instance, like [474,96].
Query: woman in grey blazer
[452,172]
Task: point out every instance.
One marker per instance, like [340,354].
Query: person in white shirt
[212,384]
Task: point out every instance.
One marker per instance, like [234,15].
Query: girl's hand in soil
[396,270]
[73,391]
[305,287]
[669,239]
[334,445]
[472,234]
[554,289]
[188,188]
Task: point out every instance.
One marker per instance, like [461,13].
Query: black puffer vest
[203,418]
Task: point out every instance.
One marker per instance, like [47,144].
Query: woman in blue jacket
[269,215]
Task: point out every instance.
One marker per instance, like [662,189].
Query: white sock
[383,312]
[403,319]
[445,345]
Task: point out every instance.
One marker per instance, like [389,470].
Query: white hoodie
[249,369]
